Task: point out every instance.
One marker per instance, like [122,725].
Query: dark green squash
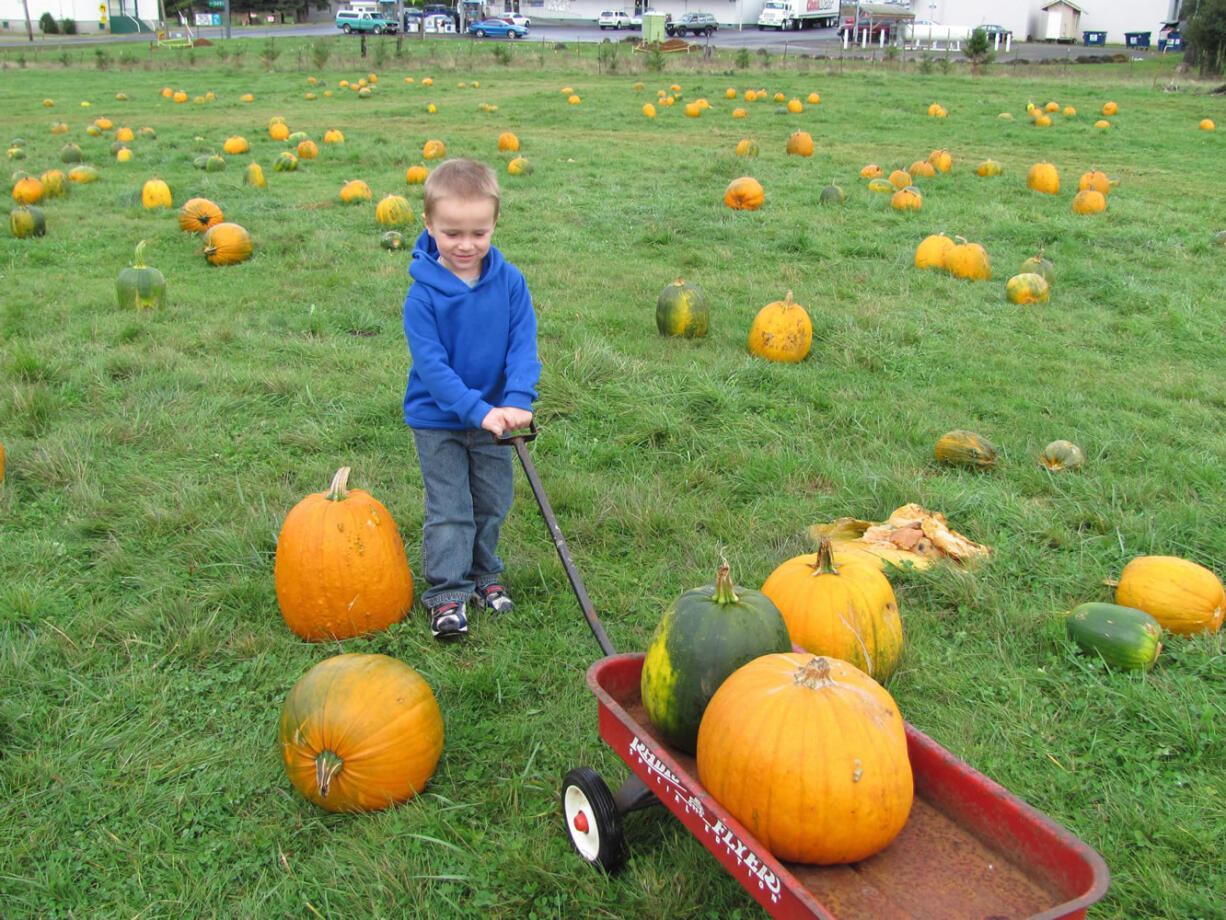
[704,636]
[140,287]
[71,153]
[1039,265]
[27,220]
[392,239]
[682,310]
[215,163]
[832,194]
[1124,636]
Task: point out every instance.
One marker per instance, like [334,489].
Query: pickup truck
[363,21]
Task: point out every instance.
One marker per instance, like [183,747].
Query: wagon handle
[519,441]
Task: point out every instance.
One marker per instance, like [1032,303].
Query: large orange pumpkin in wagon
[340,569]
[810,754]
[360,733]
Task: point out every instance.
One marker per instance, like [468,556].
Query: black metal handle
[522,436]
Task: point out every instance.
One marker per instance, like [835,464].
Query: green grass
[152,458]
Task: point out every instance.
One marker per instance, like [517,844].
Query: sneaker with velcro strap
[449,621]
[495,598]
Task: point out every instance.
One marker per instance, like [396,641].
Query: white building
[1031,19]
[90,16]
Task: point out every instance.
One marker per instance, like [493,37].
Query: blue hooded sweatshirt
[473,348]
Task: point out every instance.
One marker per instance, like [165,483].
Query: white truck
[798,14]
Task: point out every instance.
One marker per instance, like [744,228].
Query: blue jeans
[469,486]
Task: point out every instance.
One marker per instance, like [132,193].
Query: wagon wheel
[592,819]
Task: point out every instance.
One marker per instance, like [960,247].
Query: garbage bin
[1136,39]
[1094,38]
[653,27]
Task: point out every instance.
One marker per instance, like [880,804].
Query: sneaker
[495,598]
[447,621]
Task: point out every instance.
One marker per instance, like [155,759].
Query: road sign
[217,4]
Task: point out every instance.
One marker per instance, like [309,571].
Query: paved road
[810,41]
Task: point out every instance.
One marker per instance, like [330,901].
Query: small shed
[1062,21]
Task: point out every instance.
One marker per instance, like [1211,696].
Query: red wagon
[970,850]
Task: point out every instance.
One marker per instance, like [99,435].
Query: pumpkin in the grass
[872,171]
[285,162]
[360,733]
[907,199]
[416,175]
[1095,179]
[989,168]
[28,190]
[55,183]
[969,261]
[1028,287]
[253,175]
[703,636]
[900,178]
[1184,596]
[198,215]
[433,150]
[355,191]
[744,194]
[519,167]
[235,144]
[810,754]
[394,211]
[965,448]
[781,331]
[155,194]
[1040,265]
[933,251]
[1061,455]
[941,159]
[832,194]
[1043,177]
[800,143]
[139,286]
[1088,201]
[392,240]
[846,611]
[747,147]
[681,309]
[27,220]
[508,141]
[226,244]
[307,149]
[340,568]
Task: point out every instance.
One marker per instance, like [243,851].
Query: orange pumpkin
[307,150]
[360,733]
[1089,201]
[508,141]
[1110,108]
[226,244]
[907,199]
[933,251]
[800,144]
[744,194]
[970,261]
[334,136]
[1184,596]
[198,214]
[278,130]
[900,178]
[872,171]
[433,150]
[988,168]
[340,568]
[941,159]
[1027,287]
[416,175]
[781,331]
[354,191]
[1095,179]
[754,758]
[235,144]
[923,169]
[846,611]
[747,147]
[28,190]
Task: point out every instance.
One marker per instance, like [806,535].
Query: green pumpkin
[832,194]
[140,286]
[285,162]
[17,153]
[1062,455]
[966,448]
[704,636]
[215,163]
[201,161]
[1125,637]
[71,153]
[682,310]
[1039,265]
[392,239]
[26,221]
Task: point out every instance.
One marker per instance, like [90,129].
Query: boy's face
[462,228]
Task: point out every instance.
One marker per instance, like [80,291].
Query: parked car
[992,31]
[362,21]
[614,19]
[694,23]
[497,28]
[515,19]
[876,28]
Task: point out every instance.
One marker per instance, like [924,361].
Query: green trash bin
[653,27]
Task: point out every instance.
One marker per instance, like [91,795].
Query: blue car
[496,27]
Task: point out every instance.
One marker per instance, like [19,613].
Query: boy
[471,332]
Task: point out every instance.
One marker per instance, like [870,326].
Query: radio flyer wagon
[970,850]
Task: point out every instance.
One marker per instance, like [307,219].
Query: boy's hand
[502,419]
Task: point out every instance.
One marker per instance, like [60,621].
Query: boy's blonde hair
[461,178]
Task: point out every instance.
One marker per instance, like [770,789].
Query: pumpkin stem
[138,257]
[725,591]
[327,765]
[787,300]
[337,491]
[814,673]
[823,562]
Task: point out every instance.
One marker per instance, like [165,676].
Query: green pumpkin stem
[337,492]
[725,591]
[327,765]
[138,257]
[814,673]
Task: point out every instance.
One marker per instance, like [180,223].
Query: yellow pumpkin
[125,134]
[965,448]
[28,190]
[253,175]
[1184,596]
[744,194]
[988,168]
[519,167]
[354,191]
[747,147]
[235,144]
[969,261]
[693,109]
[278,131]
[838,806]
[155,194]
[933,251]
[900,178]
[433,150]
[781,331]
[649,110]
[795,106]
[907,199]
[922,169]
[1043,177]
[942,160]
[334,136]
[394,211]
[1206,124]
[1095,179]
[739,113]
[55,183]
[1027,287]
[416,175]
[1110,108]
[508,141]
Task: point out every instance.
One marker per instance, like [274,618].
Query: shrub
[47,24]
[68,26]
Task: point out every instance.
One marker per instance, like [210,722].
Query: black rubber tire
[602,843]
[480,33]
[378,30]
[346,28]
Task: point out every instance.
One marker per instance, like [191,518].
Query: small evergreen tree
[1206,36]
[47,24]
[978,50]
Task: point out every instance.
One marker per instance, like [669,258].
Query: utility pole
[29,27]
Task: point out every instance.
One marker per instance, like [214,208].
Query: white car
[614,19]
[515,19]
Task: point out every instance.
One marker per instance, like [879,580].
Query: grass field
[151,457]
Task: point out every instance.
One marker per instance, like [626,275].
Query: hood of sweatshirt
[427,269]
